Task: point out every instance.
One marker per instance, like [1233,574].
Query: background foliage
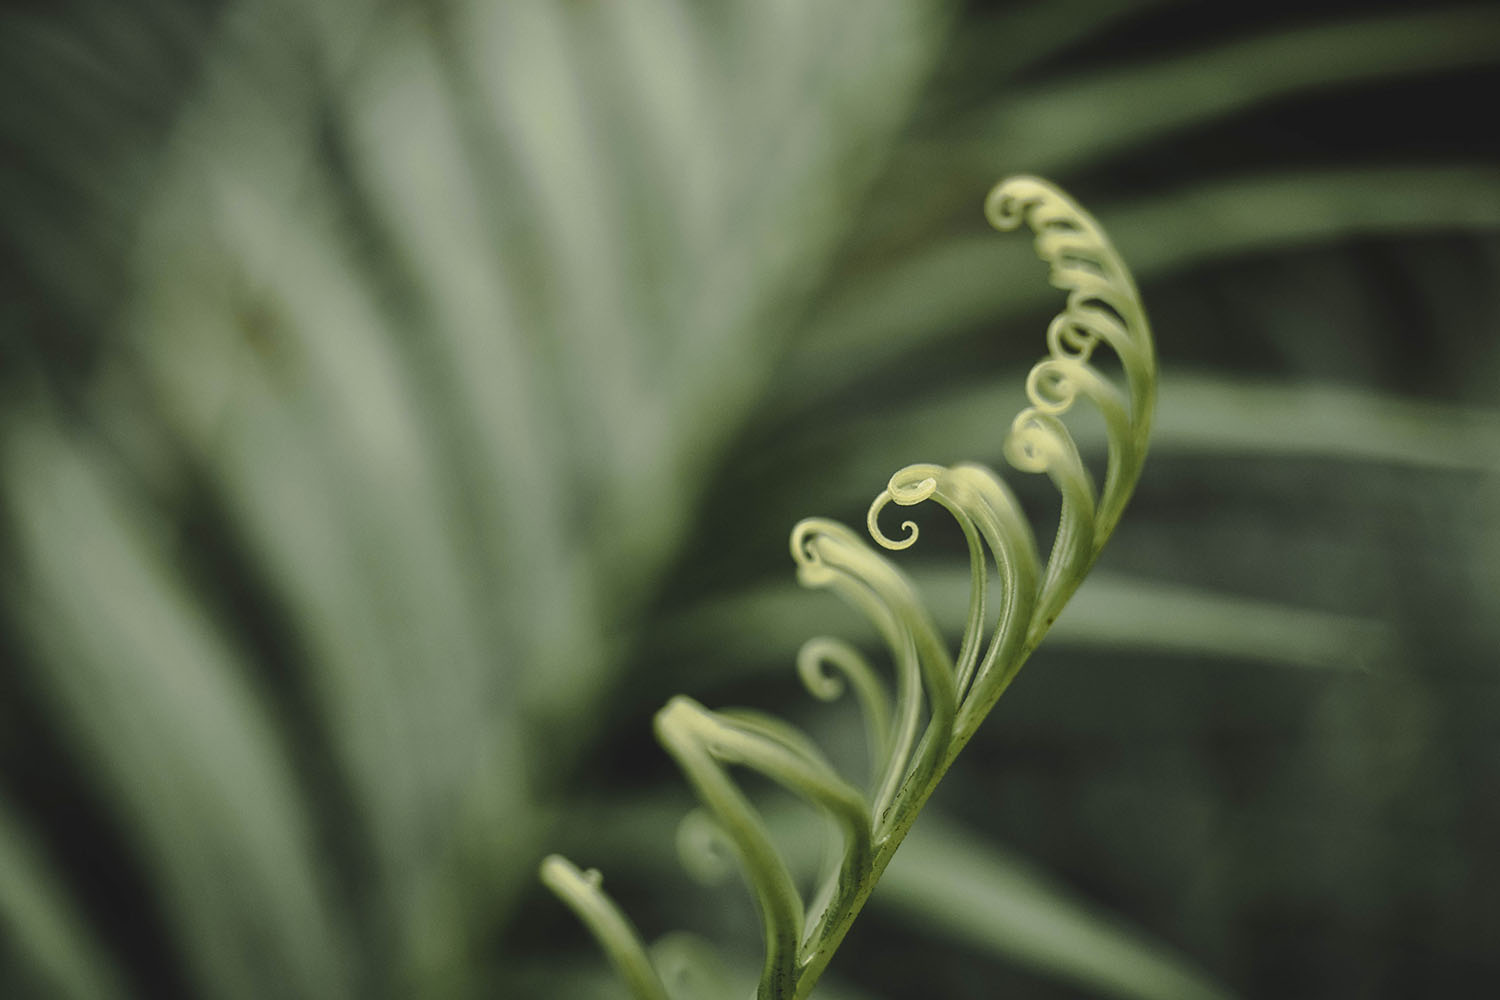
[402,399]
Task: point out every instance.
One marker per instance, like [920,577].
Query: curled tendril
[813,661]
[832,555]
[690,966]
[873,520]
[907,488]
[704,743]
[583,892]
[706,851]
[915,730]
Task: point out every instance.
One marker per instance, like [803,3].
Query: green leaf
[1201,415]
[460,309]
[178,738]
[763,628]
[948,881]
[44,925]
[879,316]
[388,299]
[1083,118]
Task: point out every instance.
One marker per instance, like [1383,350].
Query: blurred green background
[403,398]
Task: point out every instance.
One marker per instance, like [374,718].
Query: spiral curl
[951,693]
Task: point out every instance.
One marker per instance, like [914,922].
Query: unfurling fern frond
[938,701]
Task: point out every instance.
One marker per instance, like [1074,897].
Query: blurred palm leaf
[399,384]
[949,881]
[50,949]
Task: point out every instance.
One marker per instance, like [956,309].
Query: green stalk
[583,893]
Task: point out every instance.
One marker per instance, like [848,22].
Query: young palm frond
[953,695]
